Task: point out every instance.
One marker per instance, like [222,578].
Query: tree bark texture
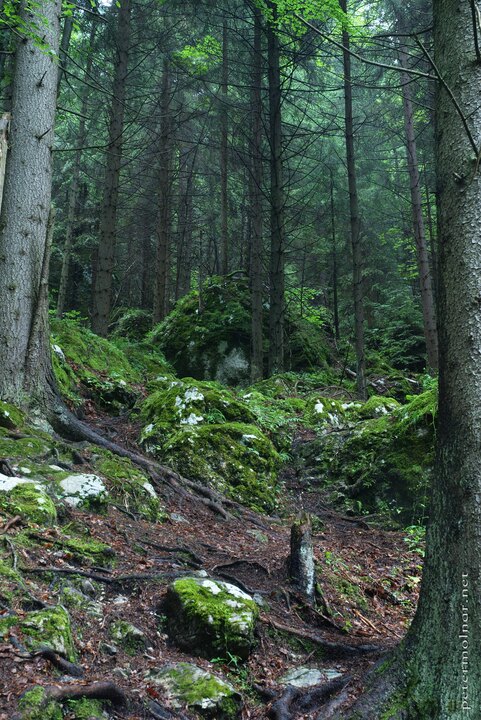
[224,159]
[256,215]
[425,282]
[445,636]
[357,278]
[102,289]
[277,254]
[24,341]
[185,220]
[165,199]
[301,559]
[74,187]
[438,673]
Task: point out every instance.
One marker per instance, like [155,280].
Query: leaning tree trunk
[439,664]
[357,279]
[25,362]
[255,270]
[102,288]
[277,256]
[427,298]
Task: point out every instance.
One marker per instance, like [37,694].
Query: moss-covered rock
[208,618]
[129,486]
[189,403]
[85,709]
[382,464]
[210,339]
[236,459]
[29,499]
[327,412]
[88,365]
[50,628]
[35,705]
[206,694]
[72,597]
[10,416]
[129,637]
[378,405]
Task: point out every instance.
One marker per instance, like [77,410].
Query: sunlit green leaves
[200,58]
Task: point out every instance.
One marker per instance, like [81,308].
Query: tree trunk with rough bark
[256,216]
[102,289]
[224,159]
[25,364]
[74,187]
[165,182]
[425,284]
[185,220]
[436,673]
[357,276]
[277,255]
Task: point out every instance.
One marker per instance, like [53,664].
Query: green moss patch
[49,627]
[21,496]
[129,637]
[188,685]
[208,618]
[129,486]
[86,364]
[239,460]
[210,339]
[35,705]
[382,464]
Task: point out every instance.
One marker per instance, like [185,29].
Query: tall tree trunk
[74,187]
[165,181]
[277,255]
[436,674]
[185,220]
[102,289]
[427,300]
[64,47]
[337,333]
[357,278]
[224,133]
[25,365]
[256,217]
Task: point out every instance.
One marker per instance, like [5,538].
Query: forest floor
[368,580]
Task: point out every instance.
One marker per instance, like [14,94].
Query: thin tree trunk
[224,130]
[74,187]
[185,221]
[256,217]
[427,300]
[357,276]
[277,255]
[64,47]
[24,340]
[163,229]
[102,290]
[337,333]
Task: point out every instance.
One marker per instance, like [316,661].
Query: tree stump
[301,560]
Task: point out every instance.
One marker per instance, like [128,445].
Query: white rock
[77,488]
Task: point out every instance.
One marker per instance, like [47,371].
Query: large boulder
[27,498]
[206,433]
[210,618]
[187,685]
[209,337]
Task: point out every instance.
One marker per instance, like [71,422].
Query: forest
[240,360]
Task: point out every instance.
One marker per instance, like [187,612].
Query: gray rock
[304,677]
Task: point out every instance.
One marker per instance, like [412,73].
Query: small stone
[108,649]
[129,637]
[304,677]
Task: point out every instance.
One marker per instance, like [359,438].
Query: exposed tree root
[161,713]
[94,691]
[59,662]
[331,649]
[296,700]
